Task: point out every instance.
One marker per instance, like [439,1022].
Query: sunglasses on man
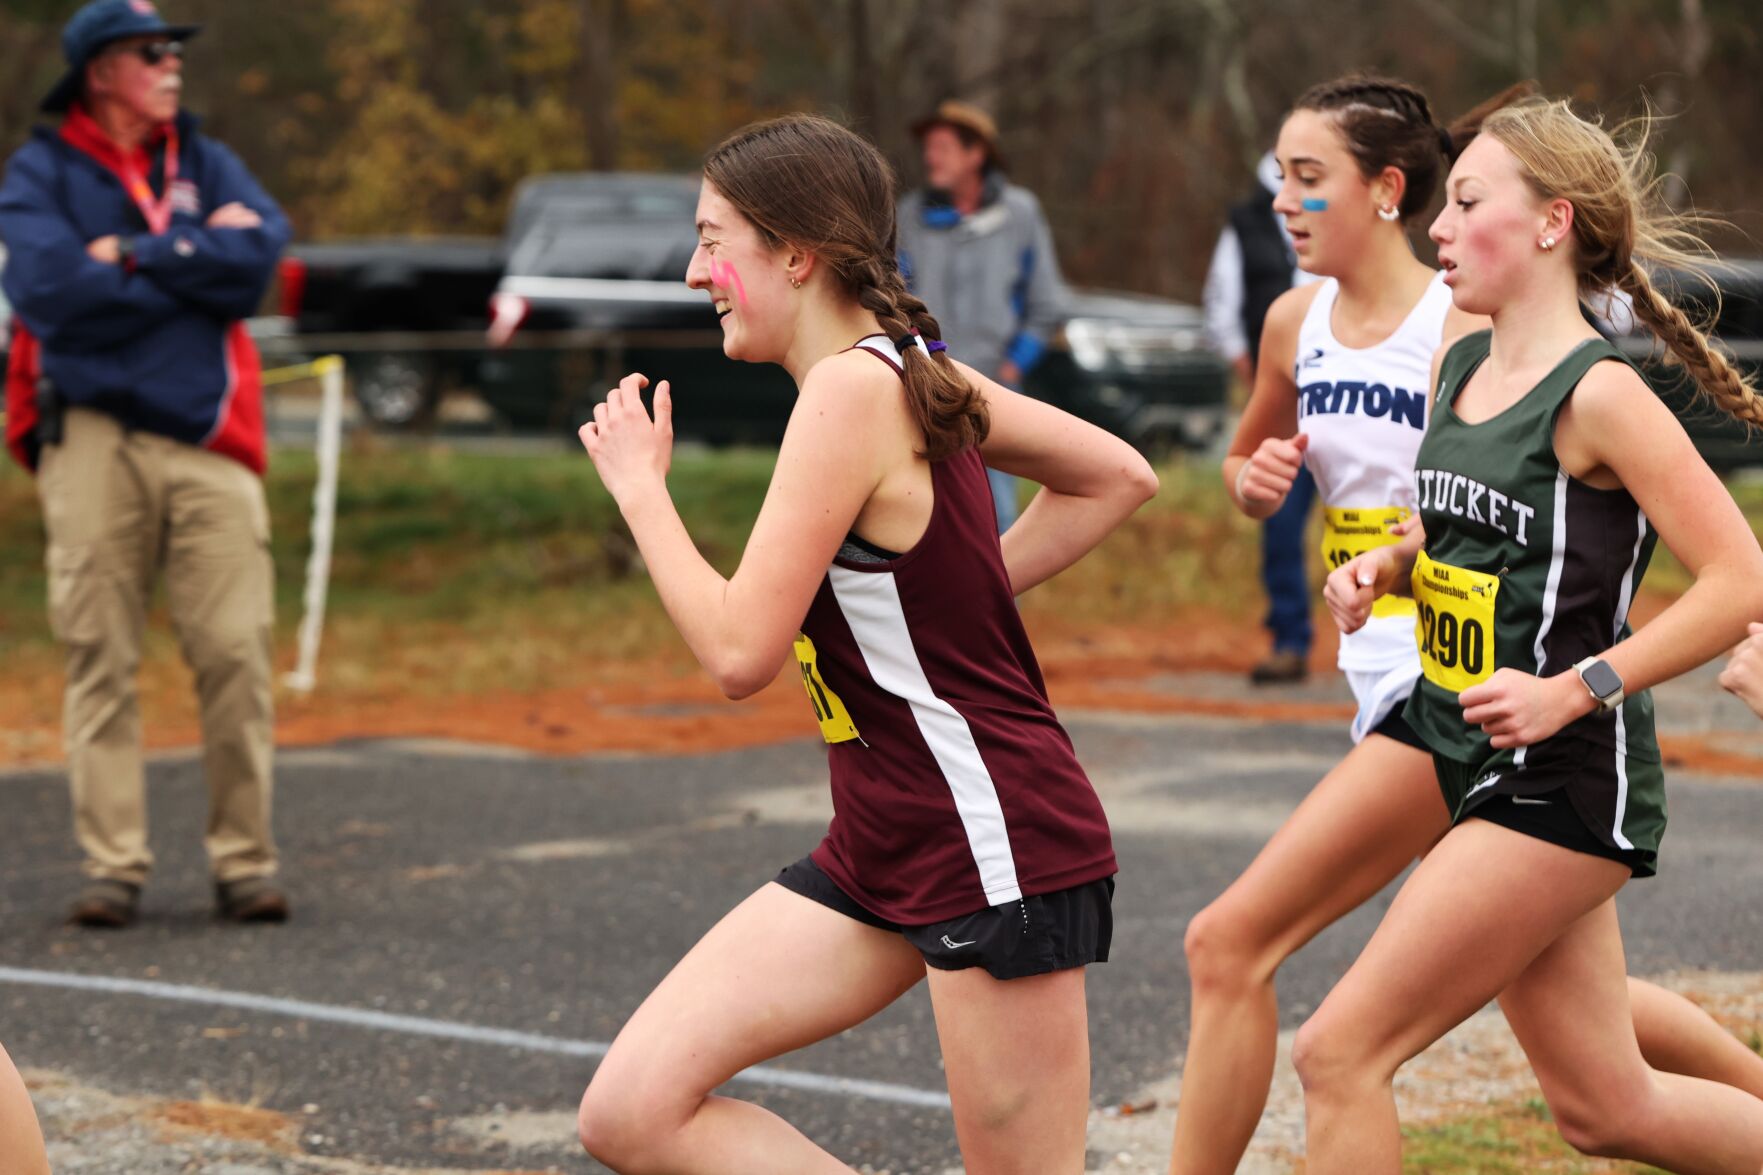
[154,52]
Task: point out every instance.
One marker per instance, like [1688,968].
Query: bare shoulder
[1613,420]
[1279,335]
[1612,392]
[850,383]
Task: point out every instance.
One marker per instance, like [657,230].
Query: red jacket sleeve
[21,398]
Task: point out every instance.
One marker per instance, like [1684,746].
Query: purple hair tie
[936,345]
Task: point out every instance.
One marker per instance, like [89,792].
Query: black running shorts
[1032,936]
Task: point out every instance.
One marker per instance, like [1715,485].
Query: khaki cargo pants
[121,507]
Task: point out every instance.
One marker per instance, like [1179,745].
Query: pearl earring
[1548,243]
[794,284]
[1388,212]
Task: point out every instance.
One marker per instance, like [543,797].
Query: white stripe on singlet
[870,602]
[1622,605]
[1557,557]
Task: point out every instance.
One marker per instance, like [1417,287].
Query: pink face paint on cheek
[725,275]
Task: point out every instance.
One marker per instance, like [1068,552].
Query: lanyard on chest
[156,210]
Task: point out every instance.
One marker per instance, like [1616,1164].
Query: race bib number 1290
[1455,623]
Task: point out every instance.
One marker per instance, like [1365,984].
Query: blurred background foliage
[1136,121]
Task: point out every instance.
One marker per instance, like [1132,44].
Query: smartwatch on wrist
[1602,682]
[125,252]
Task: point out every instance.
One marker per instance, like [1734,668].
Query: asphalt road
[544,898]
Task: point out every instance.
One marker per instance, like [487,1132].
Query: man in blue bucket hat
[100,25]
[136,247]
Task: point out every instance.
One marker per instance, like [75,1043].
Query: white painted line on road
[884,1091]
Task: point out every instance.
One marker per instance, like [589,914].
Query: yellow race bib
[835,721]
[1454,624]
[1348,532]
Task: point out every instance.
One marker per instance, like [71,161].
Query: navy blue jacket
[158,345]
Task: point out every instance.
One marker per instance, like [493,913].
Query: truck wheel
[396,391]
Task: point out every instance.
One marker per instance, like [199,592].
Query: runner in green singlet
[1548,471]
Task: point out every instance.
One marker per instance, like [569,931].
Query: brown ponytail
[808,181]
[1621,225]
[946,408]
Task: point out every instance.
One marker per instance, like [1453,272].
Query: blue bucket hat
[99,24]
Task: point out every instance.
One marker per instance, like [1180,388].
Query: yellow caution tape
[321,366]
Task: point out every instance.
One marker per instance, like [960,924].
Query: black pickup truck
[588,284]
[407,312]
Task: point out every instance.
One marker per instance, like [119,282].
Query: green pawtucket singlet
[1528,568]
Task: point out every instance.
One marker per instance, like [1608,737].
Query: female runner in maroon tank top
[966,846]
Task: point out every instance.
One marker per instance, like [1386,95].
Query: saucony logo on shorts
[955,946]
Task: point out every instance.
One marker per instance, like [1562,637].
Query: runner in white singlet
[1363,409]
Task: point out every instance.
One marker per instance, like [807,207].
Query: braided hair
[809,182]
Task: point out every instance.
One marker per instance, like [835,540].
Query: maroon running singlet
[954,786]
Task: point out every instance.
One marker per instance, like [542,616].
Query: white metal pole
[329,369]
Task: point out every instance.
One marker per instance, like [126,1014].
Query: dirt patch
[1115,695]
[1198,640]
[666,705]
[1707,756]
[678,714]
[225,1120]
[89,1128]
[661,705]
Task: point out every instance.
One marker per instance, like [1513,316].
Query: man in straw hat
[977,249]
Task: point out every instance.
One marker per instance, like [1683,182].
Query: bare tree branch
[1490,47]
[1696,42]
[598,80]
[865,98]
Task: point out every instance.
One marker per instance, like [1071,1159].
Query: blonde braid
[1713,372]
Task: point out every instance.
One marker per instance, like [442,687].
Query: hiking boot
[1282,667]
[106,904]
[251,899]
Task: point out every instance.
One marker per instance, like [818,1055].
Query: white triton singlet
[1364,410]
